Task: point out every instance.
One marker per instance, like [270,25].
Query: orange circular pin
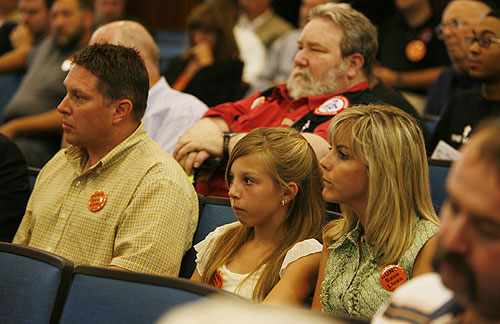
[415,50]
[216,279]
[392,277]
[97,201]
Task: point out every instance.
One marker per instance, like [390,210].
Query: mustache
[460,265]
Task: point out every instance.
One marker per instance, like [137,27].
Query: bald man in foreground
[169,113]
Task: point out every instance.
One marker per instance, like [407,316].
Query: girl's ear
[290,192]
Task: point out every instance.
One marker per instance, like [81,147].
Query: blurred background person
[210,68]
[257,15]
[458,19]
[107,11]
[33,28]
[14,188]
[410,54]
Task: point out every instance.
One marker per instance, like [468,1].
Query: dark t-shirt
[214,84]
[463,113]
[14,188]
[399,45]
[446,85]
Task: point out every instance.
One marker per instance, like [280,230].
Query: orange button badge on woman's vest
[97,201]
[392,277]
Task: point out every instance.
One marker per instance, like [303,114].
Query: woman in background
[209,69]
[377,171]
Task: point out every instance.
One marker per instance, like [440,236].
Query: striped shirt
[170,113]
[145,225]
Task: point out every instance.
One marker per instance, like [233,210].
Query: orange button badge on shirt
[392,277]
[97,201]
[216,279]
[415,50]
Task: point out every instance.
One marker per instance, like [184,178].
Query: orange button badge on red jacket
[97,201]
[392,277]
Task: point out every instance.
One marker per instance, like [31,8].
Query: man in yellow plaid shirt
[113,198]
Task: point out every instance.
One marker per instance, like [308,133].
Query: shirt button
[77,184]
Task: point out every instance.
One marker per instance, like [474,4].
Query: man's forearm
[29,125]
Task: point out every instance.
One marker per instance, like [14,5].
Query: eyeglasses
[454,23]
[483,42]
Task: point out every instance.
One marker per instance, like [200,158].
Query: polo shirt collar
[77,156]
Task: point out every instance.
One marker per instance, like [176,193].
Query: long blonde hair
[390,143]
[287,157]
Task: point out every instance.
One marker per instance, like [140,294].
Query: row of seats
[39,287]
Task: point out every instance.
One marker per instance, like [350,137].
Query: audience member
[252,50]
[283,50]
[169,113]
[107,11]
[33,28]
[257,15]
[209,69]
[30,118]
[24,39]
[377,171]
[14,188]
[411,56]
[457,21]
[467,108]
[8,12]
[336,51]
[114,197]
[271,253]
[465,289]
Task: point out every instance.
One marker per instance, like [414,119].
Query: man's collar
[77,156]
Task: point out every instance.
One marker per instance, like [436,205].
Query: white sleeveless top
[231,281]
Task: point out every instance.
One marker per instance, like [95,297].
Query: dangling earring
[283,202]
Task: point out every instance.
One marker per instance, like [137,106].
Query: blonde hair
[287,157]
[390,143]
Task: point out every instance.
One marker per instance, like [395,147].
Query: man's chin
[454,281]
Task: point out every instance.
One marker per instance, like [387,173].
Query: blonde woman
[270,254]
[377,171]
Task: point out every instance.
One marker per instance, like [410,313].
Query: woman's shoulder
[424,230]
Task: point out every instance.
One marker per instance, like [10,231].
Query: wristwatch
[225,143]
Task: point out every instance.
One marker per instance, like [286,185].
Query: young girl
[377,171]
[275,188]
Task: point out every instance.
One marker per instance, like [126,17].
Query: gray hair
[360,35]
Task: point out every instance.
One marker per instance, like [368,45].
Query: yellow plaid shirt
[146,224]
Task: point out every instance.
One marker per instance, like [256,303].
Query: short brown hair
[121,73]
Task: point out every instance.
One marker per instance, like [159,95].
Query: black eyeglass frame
[483,42]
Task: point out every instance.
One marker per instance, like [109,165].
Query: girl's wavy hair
[391,145]
[287,157]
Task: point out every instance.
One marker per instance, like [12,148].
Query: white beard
[301,83]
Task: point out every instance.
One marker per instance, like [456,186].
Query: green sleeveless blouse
[351,284]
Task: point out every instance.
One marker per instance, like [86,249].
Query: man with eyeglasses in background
[457,21]
[467,108]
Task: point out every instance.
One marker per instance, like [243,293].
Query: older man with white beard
[336,50]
